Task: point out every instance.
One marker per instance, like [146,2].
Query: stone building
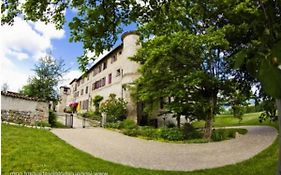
[110,74]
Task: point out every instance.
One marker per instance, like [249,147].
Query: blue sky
[23,43]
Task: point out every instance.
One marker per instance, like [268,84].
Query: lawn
[229,120]
[35,150]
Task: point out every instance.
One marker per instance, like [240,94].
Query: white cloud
[27,38]
[69,76]
[49,30]
[12,75]
[23,41]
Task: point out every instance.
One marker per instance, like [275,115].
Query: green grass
[229,120]
[35,150]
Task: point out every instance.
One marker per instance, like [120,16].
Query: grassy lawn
[229,120]
[35,150]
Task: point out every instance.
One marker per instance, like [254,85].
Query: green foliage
[172,134]
[189,132]
[270,110]
[223,134]
[128,124]
[48,73]
[96,101]
[238,111]
[52,118]
[131,132]
[113,125]
[42,124]
[150,133]
[114,108]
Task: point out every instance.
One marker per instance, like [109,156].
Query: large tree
[252,28]
[48,73]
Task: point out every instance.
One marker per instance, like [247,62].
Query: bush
[52,118]
[114,108]
[172,134]
[218,135]
[149,132]
[42,124]
[189,132]
[128,124]
[131,132]
[223,134]
[170,124]
[116,125]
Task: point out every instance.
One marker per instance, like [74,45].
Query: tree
[252,28]
[96,101]
[48,73]
[4,87]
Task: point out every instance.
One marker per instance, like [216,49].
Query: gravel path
[116,147]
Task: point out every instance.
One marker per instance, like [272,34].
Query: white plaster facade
[108,75]
[15,103]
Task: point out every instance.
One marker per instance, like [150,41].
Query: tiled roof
[21,96]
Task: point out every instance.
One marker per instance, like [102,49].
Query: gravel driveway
[119,148]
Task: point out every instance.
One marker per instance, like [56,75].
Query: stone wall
[17,109]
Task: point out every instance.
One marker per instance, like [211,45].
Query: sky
[23,43]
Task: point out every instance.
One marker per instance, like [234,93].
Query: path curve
[119,148]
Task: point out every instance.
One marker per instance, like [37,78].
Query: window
[95,71]
[78,83]
[82,91]
[109,78]
[120,52]
[118,72]
[105,64]
[97,84]
[103,81]
[82,80]
[86,91]
[99,68]
[87,77]
[76,94]
[113,58]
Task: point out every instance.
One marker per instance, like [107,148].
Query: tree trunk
[209,120]
[278,104]
[178,121]
[208,128]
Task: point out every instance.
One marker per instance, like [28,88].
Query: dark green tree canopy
[251,27]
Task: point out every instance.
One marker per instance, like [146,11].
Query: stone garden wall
[16,108]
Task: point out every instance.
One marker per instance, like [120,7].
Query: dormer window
[104,65]
[113,58]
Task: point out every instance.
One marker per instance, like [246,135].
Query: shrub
[189,132]
[115,125]
[52,118]
[149,132]
[42,124]
[128,124]
[89,114]
[114,108]
[96,101]
[223,134]
[172,134]
[170,124]
[131,132]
